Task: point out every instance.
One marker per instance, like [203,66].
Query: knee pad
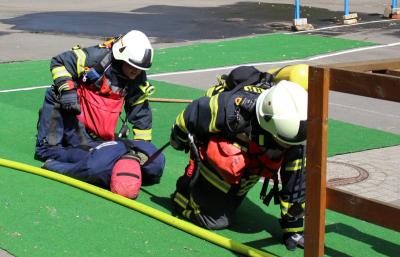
[126,177]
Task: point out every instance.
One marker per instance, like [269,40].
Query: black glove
[177,143]
[69,101]
[293,240]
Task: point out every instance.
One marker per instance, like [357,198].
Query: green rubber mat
[266,48]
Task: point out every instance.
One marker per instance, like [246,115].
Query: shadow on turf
[380,245]
[164,202]
[250,219]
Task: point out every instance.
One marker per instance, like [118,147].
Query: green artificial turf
[46,218]
[40,217]
[265,48]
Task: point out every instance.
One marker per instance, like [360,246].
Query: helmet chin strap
[282,144]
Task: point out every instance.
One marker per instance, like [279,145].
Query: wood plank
[393,72]
[316,161]
[374,85]
[369,210]
[368,65]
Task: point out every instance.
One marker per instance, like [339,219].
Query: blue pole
[346,7]
[297,9]
[394,4]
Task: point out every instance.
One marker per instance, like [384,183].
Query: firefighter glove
[293,240]
[69,102]
[177,143]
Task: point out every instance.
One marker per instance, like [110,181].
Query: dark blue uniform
[212,202]
[63,139]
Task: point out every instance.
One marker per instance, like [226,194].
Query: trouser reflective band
[214,179]
[181,200]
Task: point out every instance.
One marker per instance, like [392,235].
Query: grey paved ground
[4,253]
[377,171]
[41,29]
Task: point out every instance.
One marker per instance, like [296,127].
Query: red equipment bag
[99,113]
[227,159]
[268,166]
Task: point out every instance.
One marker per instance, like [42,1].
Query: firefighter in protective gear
[245,128]
[82,108]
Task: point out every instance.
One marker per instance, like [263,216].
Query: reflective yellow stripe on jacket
[142,134]
[147,90]
[59,72]
[80,60]
[294,165]
[180,122]
[214,112]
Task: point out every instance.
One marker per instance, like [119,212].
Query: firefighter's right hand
[69,102]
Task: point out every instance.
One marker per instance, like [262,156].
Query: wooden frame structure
[379,79]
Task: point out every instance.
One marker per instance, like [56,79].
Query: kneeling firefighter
[246,128]
[76,127]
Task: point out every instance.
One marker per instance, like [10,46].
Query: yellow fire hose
[154,213]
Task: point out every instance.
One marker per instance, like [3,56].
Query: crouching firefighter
[77,122]
[246,128]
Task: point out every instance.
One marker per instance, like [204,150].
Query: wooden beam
[393,72]
[317,130]
[373,211]
[374,85]
[368,65]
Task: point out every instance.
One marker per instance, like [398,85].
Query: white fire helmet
[135,49]
[282,111]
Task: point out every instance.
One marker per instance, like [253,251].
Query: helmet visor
[145,63]
[300,137]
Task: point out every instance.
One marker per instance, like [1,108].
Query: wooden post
[317,131]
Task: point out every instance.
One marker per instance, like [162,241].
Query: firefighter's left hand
[177,143]
[69,102]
